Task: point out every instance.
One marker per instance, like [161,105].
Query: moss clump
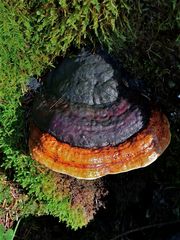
[12,201]
[50,194]
[151,47]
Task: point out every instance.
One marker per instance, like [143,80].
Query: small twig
[58,101]
[15,230]
[156,225]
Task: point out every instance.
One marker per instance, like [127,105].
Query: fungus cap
[87,124]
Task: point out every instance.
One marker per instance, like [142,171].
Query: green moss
[4,191]
[151,41]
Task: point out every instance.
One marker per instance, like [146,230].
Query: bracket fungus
[87,124]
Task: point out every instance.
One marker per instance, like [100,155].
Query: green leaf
[2,231]
[9,234]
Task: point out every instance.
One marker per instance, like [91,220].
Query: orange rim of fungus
[138,151]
